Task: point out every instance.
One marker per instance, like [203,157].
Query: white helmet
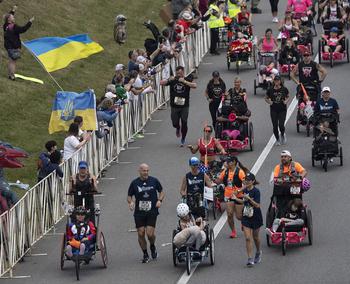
[182,210]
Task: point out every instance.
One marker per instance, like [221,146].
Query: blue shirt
[330,106]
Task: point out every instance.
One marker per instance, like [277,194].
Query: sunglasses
[307,55]
[208,131]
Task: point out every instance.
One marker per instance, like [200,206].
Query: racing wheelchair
[267,69]
[326,145]
[97,245]
[288,234]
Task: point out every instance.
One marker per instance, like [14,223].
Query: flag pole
[42,65]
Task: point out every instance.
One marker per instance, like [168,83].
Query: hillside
[25,106]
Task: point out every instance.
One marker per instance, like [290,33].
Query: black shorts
[145,221]
[14,54]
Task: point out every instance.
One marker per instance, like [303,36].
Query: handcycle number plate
[308,111]
[295,189]
[145,205]
[208,193]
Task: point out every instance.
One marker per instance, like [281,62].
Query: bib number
[295,189]
[179,101]
[208,193]
[304,19]
[145,205]
[308,111]
[248,211]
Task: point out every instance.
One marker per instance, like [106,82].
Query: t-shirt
[179,93]
[255,195]
[215,91]
[70,146]
[287,169]
[330,106]
[277,97]
[146,197]
[300,6]
[132,66]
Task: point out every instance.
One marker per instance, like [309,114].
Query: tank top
[242,17]
[208,149]
[83,186]
[268,46]
[288,27]
[195,183]
[308,72]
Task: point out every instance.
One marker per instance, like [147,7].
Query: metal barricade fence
[36,213]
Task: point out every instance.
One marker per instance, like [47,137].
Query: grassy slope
[24,106]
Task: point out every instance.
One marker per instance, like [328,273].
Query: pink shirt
[268,46]
[299,6]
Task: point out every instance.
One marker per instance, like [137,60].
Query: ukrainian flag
[58,52]
[67,105]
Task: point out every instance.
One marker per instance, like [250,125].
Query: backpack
[120,29]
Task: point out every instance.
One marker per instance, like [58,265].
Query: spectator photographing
[12,41]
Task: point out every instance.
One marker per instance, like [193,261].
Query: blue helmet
[194,161]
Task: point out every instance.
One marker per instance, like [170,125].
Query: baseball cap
[277,77]
[110,95]
[187,16]
[119,67]
[326,89]
[141,59]
[216,74]
[250,177]
[334,30]
[83,165]
[286,153]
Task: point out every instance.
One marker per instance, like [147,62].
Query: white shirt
[70,146]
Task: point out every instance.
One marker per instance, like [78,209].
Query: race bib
[295,189]
[145,205]
[208,193]
[179,101]
[248,211]
[304,19]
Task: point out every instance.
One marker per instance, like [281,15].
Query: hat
[250,177]
[119,67]
[286,153]
[141,67]
[334,30]
[277,77]
[110,95]
[216,74]
[83,165]
[187,16]
[326,89]
[141,59]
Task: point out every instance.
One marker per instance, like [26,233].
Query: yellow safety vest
[215,22]
[233,9]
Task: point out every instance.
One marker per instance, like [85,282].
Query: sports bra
[268,46]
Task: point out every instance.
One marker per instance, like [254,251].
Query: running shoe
[154,252]
[284,139]
[233,234]
[257,258]
[145,258]
[278,142]
[250,262]
[275,20]
[138,135]
[182,142]
[178,132]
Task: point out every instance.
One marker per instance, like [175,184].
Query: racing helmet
[182,210]
[194,161]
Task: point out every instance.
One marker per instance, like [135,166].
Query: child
[333,41]
[293,215]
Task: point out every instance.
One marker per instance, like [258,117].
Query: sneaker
[139,136]
[122,149]
[250,262]
[275,20]
[284,139]
[233,234]
[178,132]
[278,143]
[145,258]
[131,140]
[182,142]
[154,252]
[257,258]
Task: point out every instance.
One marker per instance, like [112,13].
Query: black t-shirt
[179,93]
[215,91]
[277,97]
[146,197]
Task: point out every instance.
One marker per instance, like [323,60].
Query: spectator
[53,165]
[79,120]
[12,41]
[72,143]
[119,71]
[179,5]
[132,65]
[183,26]
[107,111]
[110,88]
[44,158]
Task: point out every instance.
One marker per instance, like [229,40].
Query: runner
[148,197]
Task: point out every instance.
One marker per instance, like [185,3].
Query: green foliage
[25,107]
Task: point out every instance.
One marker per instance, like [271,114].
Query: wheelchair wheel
[284,242]
[174,249]
[77,266]
[251,136]
[307,128]
[213,208]
[347,50]
[64,242]
[309,226]
[188,261]
[254,56]
[320,51]
[331,61]
[341,156]
[237,66]
[228,63]
[212,246]
[313,156]
[255,87]
[103,250]
[325,163]
[297,122]
[268,240]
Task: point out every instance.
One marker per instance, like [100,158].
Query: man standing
[180,100]
[44,159]
[215,22]
[148,197]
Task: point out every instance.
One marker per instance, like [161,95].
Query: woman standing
[232,178]
[215,89]
[12,41]
[277,97]
[72,143]
[252,218]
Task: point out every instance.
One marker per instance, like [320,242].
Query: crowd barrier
[37,212]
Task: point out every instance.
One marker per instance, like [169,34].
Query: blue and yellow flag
[67,105]
[58,52]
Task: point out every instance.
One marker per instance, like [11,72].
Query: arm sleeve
[131,191]
[20,30]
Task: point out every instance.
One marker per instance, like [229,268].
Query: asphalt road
[326,261]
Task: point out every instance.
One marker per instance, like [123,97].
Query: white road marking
[133,148]
[149,133]
[132,230]
[108,178]
[124,162]
[207,63]
[166,244]
[156,120]
[16,277]
[221,222]
[38,254]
